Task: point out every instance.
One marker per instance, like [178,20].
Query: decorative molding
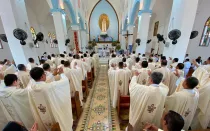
[144,11]
[58,10]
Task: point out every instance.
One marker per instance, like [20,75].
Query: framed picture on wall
[156,28]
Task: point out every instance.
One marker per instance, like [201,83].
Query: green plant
[90,47]
[118,47]
[114,43]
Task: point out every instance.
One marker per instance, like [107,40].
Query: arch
[71,11]
[112,8]
[133,12]
[205,38]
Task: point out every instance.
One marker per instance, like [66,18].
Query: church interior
[104,65]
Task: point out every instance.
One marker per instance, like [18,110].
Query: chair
[76,106]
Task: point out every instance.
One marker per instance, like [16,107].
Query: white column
[60,29]
[182,18]
[130,37]
[83,40]
[13,14]
[123,41]
[143,30]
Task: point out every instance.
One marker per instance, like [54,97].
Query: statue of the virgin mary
[103,25]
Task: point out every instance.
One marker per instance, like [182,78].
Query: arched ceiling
[41,10]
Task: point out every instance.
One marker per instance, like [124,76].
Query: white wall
[5,53]
[161,12]
[43,47]
[45,29]
[203,13]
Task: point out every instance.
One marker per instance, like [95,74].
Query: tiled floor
[98,114]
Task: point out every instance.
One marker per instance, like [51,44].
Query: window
[51,40]
[205,39]
[33,33]
[54,37]
[1,46]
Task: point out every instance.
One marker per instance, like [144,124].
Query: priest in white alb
[84,66]
[50,102]
[143,77]
[185,101]
[9,68]
[75,79]
[23,75]
[14,103]
[114,60]
[31,64]
[151,64]
[146,102]
[174,64]
[165,71]
[121,83]
[202,115]
[175,78]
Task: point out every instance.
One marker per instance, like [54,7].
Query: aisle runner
[98,115]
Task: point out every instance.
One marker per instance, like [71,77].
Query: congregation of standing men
[158,86]
[164,93]
[37,97]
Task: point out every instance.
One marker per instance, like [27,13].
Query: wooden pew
[55,127]
[93,73]
[76,106]
[123,103]
[90,78]
[85,88]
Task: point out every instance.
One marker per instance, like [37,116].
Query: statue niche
[103,23]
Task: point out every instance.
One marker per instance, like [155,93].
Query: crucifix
[126,37]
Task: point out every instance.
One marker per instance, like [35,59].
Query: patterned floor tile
[98,114]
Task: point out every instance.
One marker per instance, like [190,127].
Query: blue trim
[81,22]
[147,4]
[130,48]
[55,4]
[144,11]
[125,23]
[71,10]
[130,24]
[133,12]
[58,10]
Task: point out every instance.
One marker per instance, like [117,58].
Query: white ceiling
[41,10]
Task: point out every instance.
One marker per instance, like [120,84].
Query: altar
[104,49]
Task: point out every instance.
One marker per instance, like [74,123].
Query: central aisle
[98,114]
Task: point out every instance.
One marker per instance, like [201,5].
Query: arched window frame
[205,39]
